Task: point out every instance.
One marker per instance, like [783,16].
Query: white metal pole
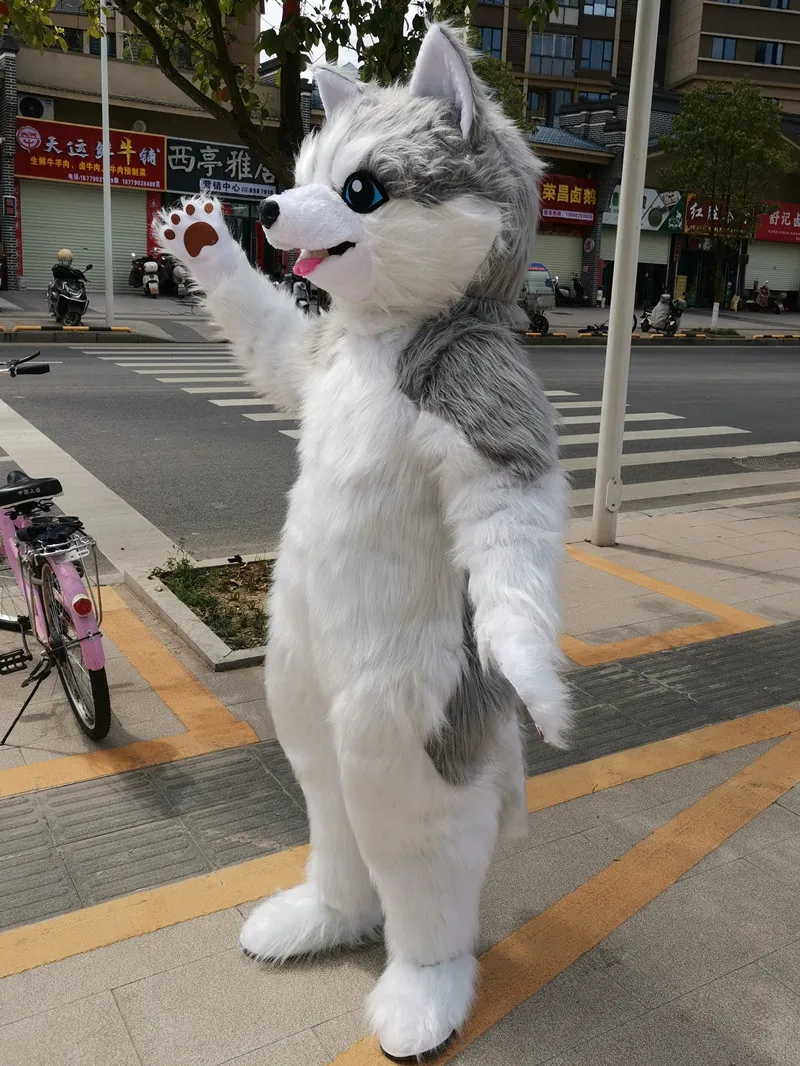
[109,251]
[608,483]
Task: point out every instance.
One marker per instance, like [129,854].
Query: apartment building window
[493,3]
[534,100]
[74,39]
[729,1]
[491,41]
[600,7]
[723,48]
[558,98]
[781,5]
[552,53]
[567,13]
[588,98]
[94,45]
[596,55]
[770,53]
[69,7]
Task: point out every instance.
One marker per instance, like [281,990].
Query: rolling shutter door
[653,247]
[60,215]
[561,255]
[774,263]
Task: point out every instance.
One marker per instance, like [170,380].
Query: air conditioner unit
[29,106]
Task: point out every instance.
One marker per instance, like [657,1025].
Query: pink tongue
[304,267]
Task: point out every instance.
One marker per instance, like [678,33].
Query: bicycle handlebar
[37,368]
[17,366]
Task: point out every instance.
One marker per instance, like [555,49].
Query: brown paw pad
[199,236]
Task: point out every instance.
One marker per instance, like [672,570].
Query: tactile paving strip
[74,846]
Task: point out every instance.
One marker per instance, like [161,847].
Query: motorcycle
[151,271]
[566,298]
[302,299]
[66,296]
[765,301]
[665,317]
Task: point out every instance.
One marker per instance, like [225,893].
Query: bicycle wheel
[86,690]
[12,602]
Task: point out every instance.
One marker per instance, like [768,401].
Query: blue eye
[362,193]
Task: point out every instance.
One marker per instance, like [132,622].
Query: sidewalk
[573,319]
[649,919]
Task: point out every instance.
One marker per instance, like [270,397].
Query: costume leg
[427,844]
[336,905]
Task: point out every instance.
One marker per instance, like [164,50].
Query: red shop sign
[64,151]
[567,199]
[782,224]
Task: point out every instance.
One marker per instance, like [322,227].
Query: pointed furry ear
[335,87]
[442,71]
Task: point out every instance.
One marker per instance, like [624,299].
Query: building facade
[163,146]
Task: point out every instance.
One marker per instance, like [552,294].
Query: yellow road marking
[210,725]
[572,782]
[145,912]
[742,619]
[594,654]
[519,965]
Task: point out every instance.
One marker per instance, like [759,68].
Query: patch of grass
[229,599]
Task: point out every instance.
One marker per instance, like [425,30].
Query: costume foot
[196,235]
[415,1011]
[295,922]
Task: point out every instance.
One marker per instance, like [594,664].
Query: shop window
[770,53]
[723,48]
[94,45]
[598,7]
[552,53]
[491,41]
[596,55]
[534,100]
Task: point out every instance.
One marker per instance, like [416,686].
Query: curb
[181,620]
[73,335]
[655,340]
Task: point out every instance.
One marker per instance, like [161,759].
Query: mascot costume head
[414,613]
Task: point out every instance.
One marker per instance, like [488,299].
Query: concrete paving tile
[691,781]
[74,742]
[709,549]
[302,1049]
[34,885]
[255,713]
[210,1011]
[59,983]
[644,559]
[676,534]
[578,1005]
[744,1018]
[133,859]
[610,636]
[689,574]
[254,825]
[194,784]
[791,799]
[700,929]
[736,588]
[784,965]
[22,826]
[764,541]
[780,861]
[783,608]
[10,755]
[745,526]
[89,1032]
[93,808]
[771,561]
[618,836]
[340,1033]
[622,612]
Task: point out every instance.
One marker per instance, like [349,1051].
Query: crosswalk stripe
[294,433]
[559,392]
[197,391]
[272,416]
[577,404]
[656,416]
[207,379]
[687,455]
[694,486]
[655,434]
[176,360]
[248,401]
[168,369]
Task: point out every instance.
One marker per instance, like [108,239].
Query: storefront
[662,215]
[229,172]
[774,254]
[59,173]
[568,207]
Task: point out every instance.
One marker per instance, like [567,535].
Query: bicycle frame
[86,628]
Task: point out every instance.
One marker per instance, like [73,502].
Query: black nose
[269,213]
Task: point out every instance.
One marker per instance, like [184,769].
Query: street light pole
[109,251]
[608,481]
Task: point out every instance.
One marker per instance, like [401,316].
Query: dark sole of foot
[426,1056]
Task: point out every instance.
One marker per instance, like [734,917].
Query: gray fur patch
[480,700]
[468,369]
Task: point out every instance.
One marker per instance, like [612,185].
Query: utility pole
[109,250]
[608,481]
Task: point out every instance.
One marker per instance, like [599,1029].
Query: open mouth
[309,261]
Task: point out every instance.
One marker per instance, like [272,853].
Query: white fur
[335,88]
[414,1009]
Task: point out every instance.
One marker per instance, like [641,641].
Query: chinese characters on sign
[204,166]
[567,199]
[63,151]
[780,224]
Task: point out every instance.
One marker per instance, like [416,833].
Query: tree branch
[226,66]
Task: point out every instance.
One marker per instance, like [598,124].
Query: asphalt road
[212,478]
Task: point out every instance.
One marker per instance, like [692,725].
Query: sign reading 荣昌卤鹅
[568,199]
[67,151]
[224,169]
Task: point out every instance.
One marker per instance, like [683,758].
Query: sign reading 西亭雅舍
[568,199]
[224,169]
[66,151]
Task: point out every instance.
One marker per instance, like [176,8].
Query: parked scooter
[151,279]
[66,294]
[665,317]
[765,301]
[569,298]
[302,297]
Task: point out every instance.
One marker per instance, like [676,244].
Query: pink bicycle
[50,589]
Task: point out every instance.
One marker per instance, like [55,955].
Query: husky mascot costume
[415,605]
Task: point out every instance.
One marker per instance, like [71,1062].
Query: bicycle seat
[23,489]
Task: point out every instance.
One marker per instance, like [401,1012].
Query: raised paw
[197,236]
